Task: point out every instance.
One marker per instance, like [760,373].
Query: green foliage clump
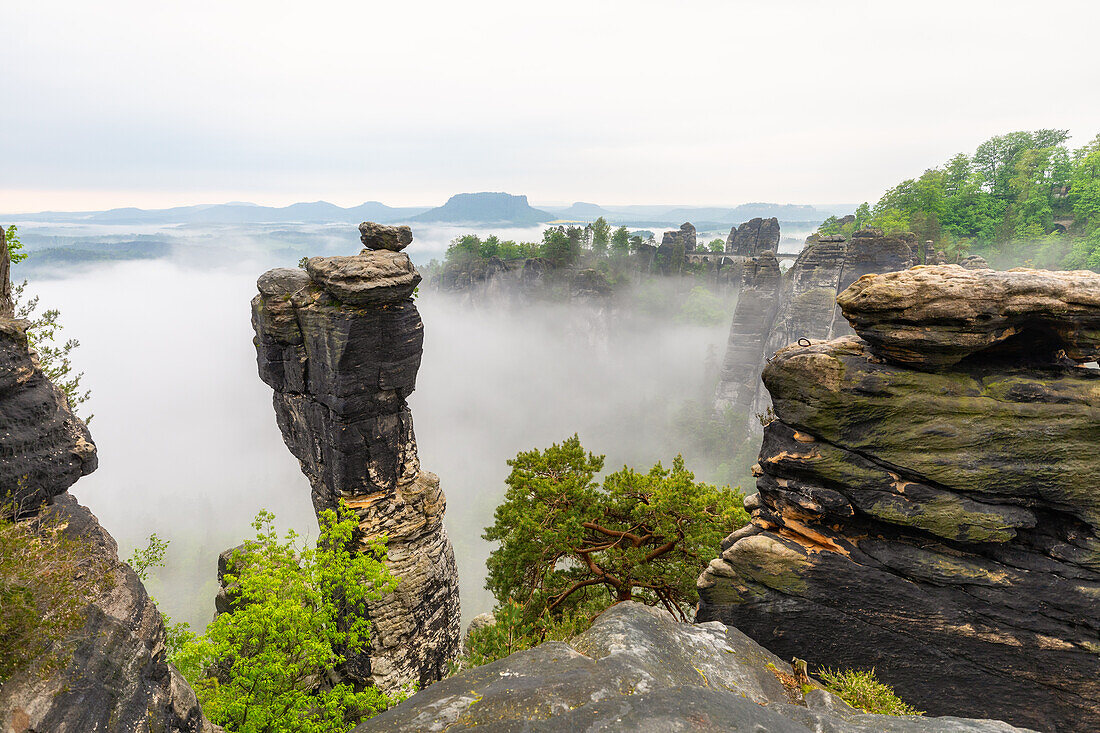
[1023,198]
[296,614]
[570,545]
[15,247]
[702,306]
[47,578]
[863,691]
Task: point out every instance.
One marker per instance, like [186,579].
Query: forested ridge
[1022,198]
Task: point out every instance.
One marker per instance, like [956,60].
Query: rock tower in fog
[340,342]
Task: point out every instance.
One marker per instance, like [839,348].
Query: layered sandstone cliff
[928,500]
[340,343]
[115,675]
[801,305]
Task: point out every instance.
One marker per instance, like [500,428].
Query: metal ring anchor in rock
[803,342]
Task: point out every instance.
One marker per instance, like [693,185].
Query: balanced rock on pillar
[340,343]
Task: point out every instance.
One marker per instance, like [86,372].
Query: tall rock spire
[340,342]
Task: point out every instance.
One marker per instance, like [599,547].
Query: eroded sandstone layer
[938,522]
[340,342]
[638,669]
[117,677]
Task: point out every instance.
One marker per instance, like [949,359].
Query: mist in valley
[188,444]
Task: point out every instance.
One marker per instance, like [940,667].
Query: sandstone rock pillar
[340,343]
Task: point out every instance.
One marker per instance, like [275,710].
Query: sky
[699,102]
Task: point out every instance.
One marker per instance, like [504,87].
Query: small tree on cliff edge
[266,665]
[568,544]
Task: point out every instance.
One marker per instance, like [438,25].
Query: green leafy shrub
[862,690]
[296,614]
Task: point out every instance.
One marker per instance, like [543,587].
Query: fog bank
[187,438]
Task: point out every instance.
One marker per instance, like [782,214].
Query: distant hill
[486,208]
[236,213]
[580,211]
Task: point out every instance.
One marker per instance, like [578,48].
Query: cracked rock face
[685,236]
[340,344]
[637,669]
[940,523]
[118,678]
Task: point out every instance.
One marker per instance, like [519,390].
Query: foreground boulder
[114,674]
[637,669]
[340,344]
[940,523]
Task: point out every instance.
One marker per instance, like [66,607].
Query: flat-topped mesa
[927,498]
[938,316]
[340,342]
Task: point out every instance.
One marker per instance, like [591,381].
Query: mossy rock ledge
[929,497]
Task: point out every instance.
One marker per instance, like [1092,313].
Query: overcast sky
[116,103]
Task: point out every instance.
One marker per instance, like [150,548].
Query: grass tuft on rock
[862,690]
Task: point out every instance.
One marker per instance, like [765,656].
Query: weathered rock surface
[938,316]
[118,678]
[805,308]
[753,318]
[940,524]
[382,236]
[637,669]
[341,345]
[373,277]
[685,236]
[754,237]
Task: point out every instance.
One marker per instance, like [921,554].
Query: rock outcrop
[754,237]
[44,448]
[805,308]
[637,669]
[117,677]
[685,236]
[340,342]
[753,316]
[927,498]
